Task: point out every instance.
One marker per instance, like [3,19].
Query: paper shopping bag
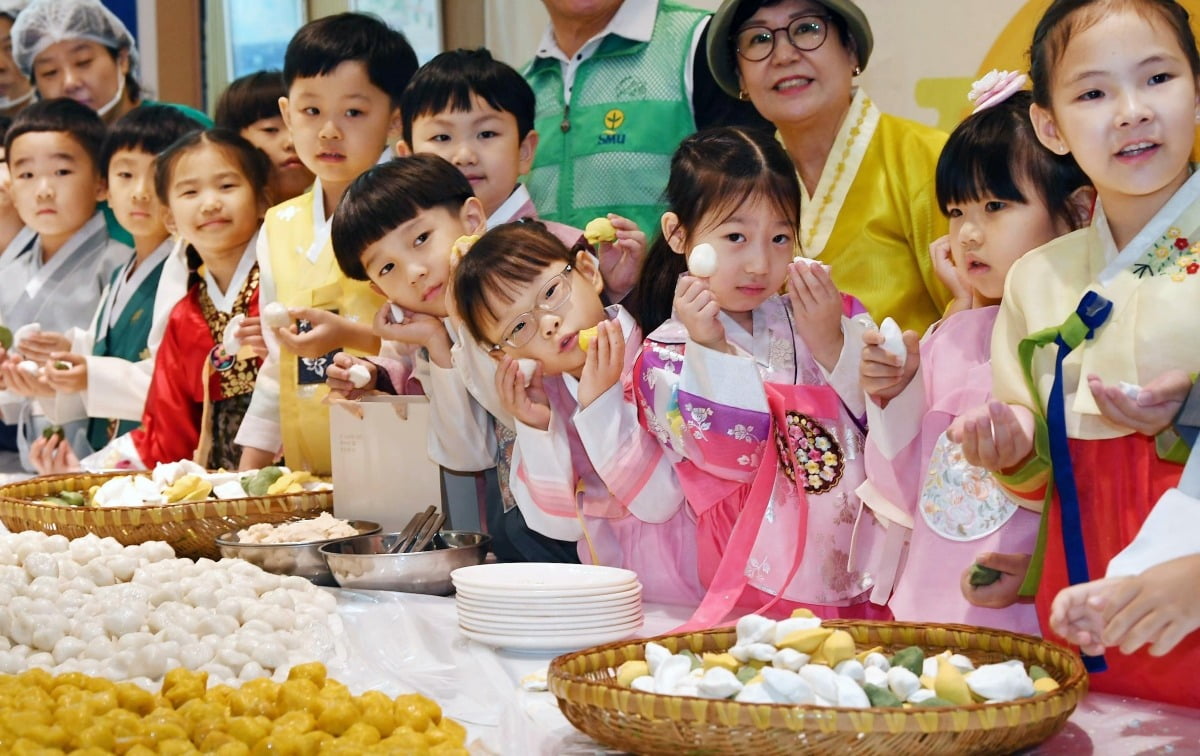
[381,466]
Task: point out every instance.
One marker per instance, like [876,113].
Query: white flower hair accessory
[995,88]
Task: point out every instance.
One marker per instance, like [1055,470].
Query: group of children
[700,415]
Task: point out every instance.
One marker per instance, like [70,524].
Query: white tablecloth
[404,642]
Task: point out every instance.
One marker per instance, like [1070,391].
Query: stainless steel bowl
[303,559]
[363,562]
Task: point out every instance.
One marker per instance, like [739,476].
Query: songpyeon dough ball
[527,367]
[702,262]
[586,336]
[360,376]
[275,315]
[599,230]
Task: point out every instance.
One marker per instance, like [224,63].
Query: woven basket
[191,527]
[588,694]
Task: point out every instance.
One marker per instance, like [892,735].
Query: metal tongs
[419,531]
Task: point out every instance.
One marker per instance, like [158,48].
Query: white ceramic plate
[553,602]
[517,622]
[547,631]
[549,612]
[541,577]
[558,644]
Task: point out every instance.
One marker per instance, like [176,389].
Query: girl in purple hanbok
[752,393]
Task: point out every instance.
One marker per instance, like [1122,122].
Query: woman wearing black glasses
[869,209]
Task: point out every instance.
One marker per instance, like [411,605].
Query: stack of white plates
[531,606]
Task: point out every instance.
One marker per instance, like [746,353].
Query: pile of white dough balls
[94,606]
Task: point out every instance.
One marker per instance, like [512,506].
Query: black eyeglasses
[755,43]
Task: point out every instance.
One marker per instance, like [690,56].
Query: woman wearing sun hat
[869,210]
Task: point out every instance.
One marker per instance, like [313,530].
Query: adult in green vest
[80,49]
[619,84]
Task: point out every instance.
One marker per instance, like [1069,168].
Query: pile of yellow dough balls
[308,714]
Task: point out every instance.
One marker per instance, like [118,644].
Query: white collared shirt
[634,20]
[509,207]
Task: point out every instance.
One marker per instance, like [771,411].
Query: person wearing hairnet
[80,49]
[15,90]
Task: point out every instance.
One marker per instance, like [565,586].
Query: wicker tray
[191,528]
[588,694]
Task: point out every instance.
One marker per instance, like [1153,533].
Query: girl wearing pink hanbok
[582,467]
[1004,194]
[754,394]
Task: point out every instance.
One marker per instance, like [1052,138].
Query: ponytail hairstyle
[713,173]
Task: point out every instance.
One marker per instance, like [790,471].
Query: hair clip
[462,245]
[995,88]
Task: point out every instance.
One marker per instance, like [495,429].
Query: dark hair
[995,150]
[146,128]
[60,114]
[387,196]
[448,81]
[712,173]
[5,122]
[248,158]
[250,98]
[748,9]
[500,267]
[1066,17]
[322,45]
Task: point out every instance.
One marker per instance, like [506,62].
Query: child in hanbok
[1110,306]
[582,467]
[1004,195]
[213,185]
[752,393]
[105,376]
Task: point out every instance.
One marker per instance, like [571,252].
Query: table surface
[401,642]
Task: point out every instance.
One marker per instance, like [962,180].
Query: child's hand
[996,437]
[1003,592]
[70,380]
[882,374]
[38,346]
[529,405]
[697,309]
[20,382]
[53,456]
[337,376]
[1153,410]
[817,305]
[418,329]
[949,274]
[605,361]
[250,334]
[1156,607]
[1077,614]
[621,260]
[328,332]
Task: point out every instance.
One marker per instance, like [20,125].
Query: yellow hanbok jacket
[874,214]
[300,280]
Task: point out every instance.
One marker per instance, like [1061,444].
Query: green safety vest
[610,150]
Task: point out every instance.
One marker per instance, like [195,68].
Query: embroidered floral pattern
[1172,255]
[809,454]
[758,569]
[959,501]
[742,432]
[697,420]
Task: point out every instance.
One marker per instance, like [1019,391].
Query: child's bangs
[731,192]
[973,168]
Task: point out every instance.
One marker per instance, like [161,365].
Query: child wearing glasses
[396,226]
[583,469]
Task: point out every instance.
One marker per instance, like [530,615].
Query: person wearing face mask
[15,90]
[80,49]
